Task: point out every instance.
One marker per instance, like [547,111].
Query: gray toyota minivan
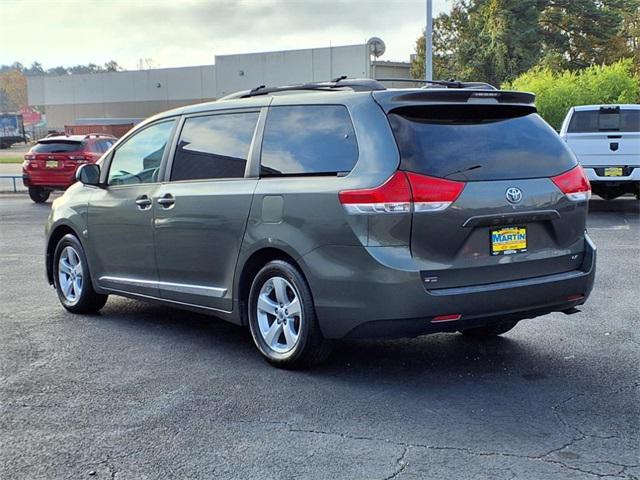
[333,210]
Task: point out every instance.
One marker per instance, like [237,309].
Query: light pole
[428,45]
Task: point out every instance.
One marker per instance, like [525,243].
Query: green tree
[34,69]
[489,40]
[557,91]
[112,66]
[496,40]
[579,33]
[446,32]
[60,70]
[89,68]
[13,85]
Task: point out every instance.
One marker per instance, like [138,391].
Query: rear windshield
[57,147]
[478,143]
[604,120]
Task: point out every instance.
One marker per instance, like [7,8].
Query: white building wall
[58,90]
[144,92]
[119,85]
[167,84]
[229,74]
[35,90]
[246,71]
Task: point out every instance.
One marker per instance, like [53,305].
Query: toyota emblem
[514,195]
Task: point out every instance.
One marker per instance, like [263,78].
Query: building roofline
[260,52]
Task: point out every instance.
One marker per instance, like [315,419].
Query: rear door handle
[167,200]
[143,202]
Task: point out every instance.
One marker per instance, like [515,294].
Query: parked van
[333,210]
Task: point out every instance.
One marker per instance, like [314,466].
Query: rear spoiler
[392,99]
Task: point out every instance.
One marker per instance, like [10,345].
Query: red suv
[51,163]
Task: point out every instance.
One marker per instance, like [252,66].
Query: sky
[191,32]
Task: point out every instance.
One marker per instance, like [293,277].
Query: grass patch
[11,159]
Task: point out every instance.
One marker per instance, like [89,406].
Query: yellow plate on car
[505,241]
[613,172]
[52,164]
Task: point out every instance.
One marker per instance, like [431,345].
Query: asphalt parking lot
[141,391]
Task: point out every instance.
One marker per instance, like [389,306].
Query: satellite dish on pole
[376,46]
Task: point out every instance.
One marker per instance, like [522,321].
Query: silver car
[333,210]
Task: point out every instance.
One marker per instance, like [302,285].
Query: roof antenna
[259,87]
[341,77]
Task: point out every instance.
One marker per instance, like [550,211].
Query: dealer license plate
[509,240]
[613,172]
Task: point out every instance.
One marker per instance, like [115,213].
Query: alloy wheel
[279,314]
[70,274]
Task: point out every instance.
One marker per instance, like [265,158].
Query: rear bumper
[594,176]
[39,179]
[373,300]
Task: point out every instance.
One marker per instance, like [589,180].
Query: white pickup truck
[606,140]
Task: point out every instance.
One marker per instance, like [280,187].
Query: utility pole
[428,44]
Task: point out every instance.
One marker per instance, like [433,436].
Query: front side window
[308,140]
[138,159]
[215,146]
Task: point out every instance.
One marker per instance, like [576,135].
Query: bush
[556,92]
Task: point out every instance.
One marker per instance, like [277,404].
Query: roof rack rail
[355,84]
[444,83]
[89,135]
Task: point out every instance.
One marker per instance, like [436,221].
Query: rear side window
[308,140]
[95,147]
[57,147]
[215,146]
[478,143]
[605,120]
[102,146]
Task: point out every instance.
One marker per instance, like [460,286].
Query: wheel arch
[56,234]
[250,267]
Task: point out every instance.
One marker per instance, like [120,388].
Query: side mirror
[89,174]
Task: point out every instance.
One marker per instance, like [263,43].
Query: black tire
[311,348]
[39,194]
[489,331]
[88,300]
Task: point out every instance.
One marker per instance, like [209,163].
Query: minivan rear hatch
[512,217]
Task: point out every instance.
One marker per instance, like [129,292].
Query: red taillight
[400,191]
[574,184]
[431,194]
[393,196]
[29,156]
[446,318]
[80,158]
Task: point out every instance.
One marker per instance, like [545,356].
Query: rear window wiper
[463,170]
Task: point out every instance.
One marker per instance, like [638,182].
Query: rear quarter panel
[299,214]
